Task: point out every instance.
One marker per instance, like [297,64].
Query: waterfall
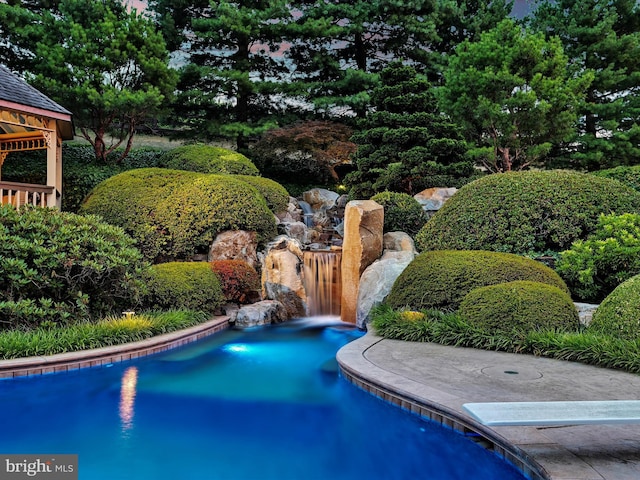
[307,213]
[322,282]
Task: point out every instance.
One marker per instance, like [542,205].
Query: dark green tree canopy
[405,144]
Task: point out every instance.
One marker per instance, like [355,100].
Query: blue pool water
[261,404]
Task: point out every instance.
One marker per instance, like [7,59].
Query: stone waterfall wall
[362,245]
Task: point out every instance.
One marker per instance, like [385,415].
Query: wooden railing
[19,194]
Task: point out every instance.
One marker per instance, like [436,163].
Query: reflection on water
[128,397]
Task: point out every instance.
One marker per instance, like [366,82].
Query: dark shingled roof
[14,89]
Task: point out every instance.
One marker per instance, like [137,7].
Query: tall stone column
[362,245]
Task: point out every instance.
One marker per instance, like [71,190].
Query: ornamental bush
[519,307]
[619,313]
[275,194]
[440,279]
[402,212]
[174,214]
[239,280]
[207,159]
[183,285]
[629,175]
[522,212]
[592,268]
[61,267]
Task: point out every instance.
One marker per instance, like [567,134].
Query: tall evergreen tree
[232,64]
[602,36]
[105,64]
[405,144]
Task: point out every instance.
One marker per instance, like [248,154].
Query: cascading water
[322,282]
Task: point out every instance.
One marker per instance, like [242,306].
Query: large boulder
[432,199]
[235,245]
[320,198]
[363,227]
[265,312]
[378,278]
[282,276]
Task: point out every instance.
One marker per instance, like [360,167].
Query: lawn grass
[450,329]
[85,335]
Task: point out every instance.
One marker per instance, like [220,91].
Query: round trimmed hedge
[175,214]
[619,313]
[402,212]
[522,212]
[183,286]
[629,175]
[440,279]
[275,194]
[208,159]
[519,307]
[239,280]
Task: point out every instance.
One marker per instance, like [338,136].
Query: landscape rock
[432,199]
[320,198]
[235,245]
[265,312]
[282,276]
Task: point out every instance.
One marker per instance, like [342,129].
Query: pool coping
[63,362]
[406,394]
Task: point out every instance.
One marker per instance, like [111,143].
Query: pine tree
[404,143]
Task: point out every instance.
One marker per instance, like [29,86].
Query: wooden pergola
[29,120]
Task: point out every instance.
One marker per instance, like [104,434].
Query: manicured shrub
[402,212]
[207,159]
[183,285]
[619,314]
[593,267]
[523,212]
[629,175]
[519,307]
[275,194]
[61,267]
[440,279]
[239,280]
[174,214]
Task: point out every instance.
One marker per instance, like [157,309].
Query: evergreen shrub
[402,212]
[522,212]
[174,214]
[61,267]
[207,159]
[592,268]
[619,313]
[183,285]
[629,175]
[440,279]
[275,194]
[239,280]
[519,307]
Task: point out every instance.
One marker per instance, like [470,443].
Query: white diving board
[495,414]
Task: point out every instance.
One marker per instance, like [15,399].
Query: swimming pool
[261,404]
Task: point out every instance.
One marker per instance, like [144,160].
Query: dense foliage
[619,313]
[183,285]
[207,159]
[174,214]
[594,267]
[276,195]
[61,268]
[305,152]
[441,279]
[405,144]
[629,175]
[239,280]
[113,330]
[521,212]
[519,307]
[512,92]
[402,212]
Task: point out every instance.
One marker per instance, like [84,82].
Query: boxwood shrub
[619,314]
[523,212]
[207,159]
[440,279]
[402,212]
[519,307]
[629,175]
[275,194]
[61,267]
[183,285]
[174,214]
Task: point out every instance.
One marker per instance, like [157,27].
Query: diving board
[495,414]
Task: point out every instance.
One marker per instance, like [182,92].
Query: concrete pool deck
[435,381]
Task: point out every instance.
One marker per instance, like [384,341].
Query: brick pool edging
[63,362]
[357,370]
